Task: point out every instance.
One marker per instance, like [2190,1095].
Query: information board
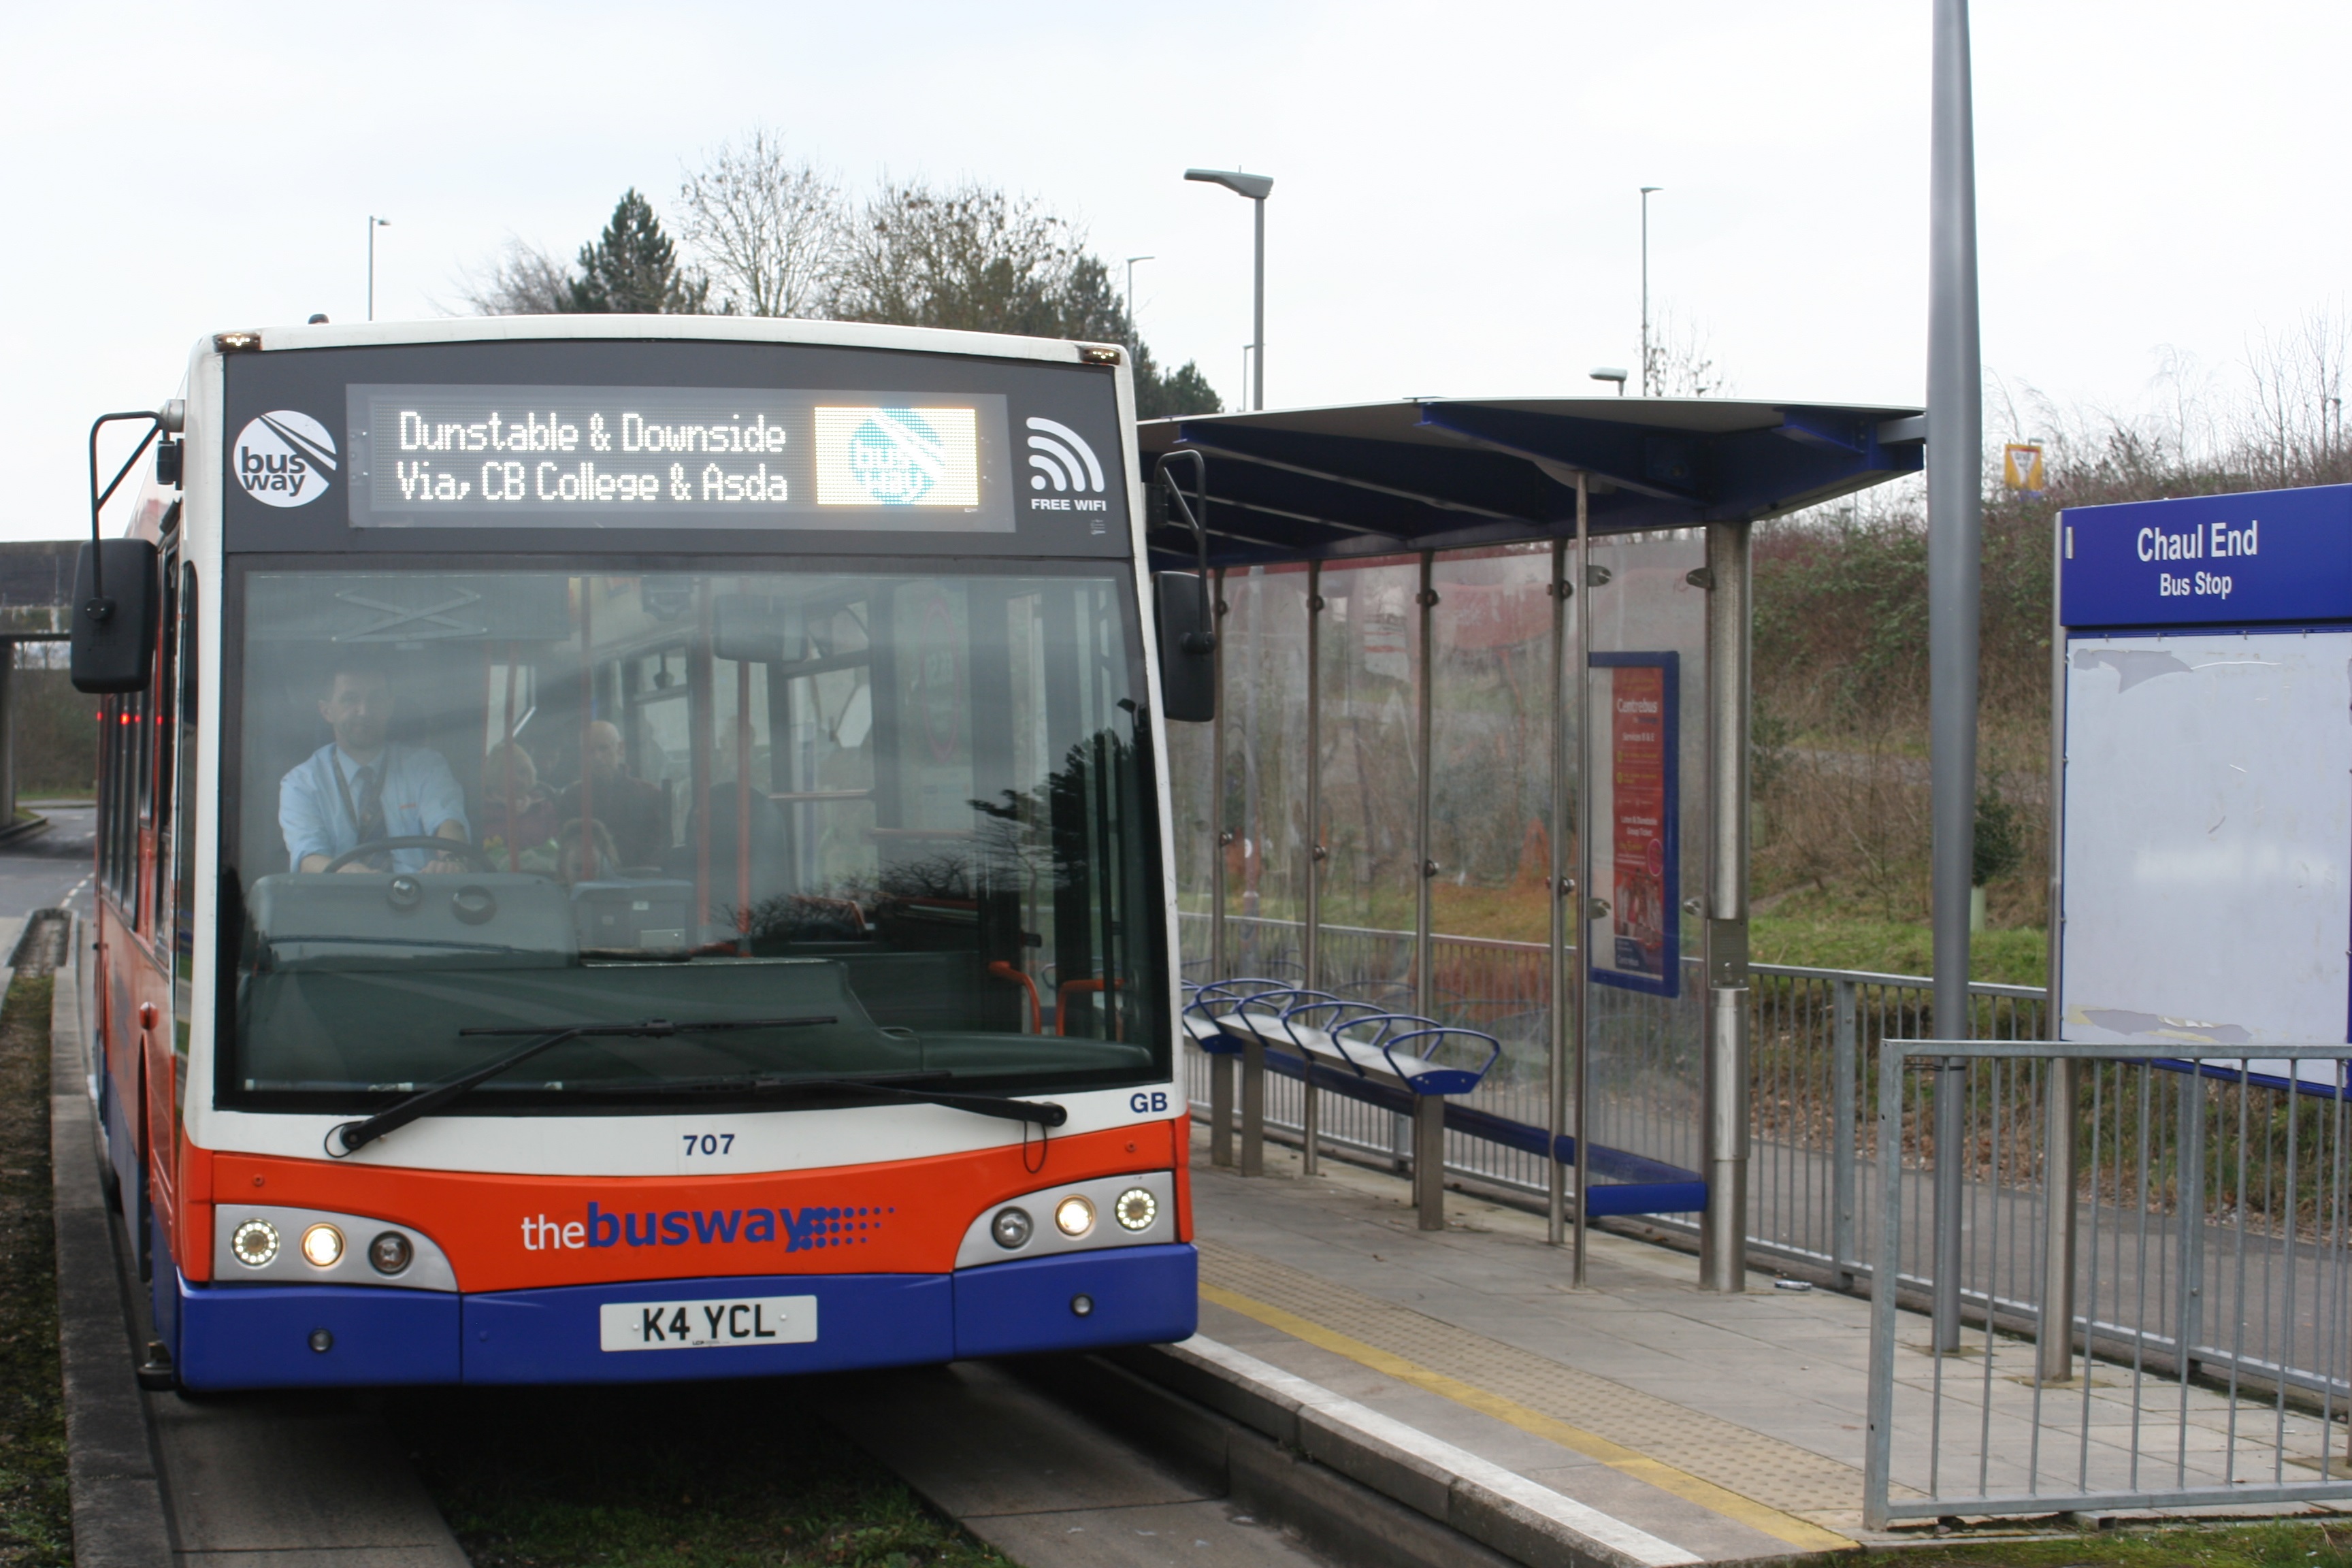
[1635,934]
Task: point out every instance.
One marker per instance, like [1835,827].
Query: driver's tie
[371,814]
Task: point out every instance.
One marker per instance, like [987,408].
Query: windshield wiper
[350,1137]
[903,1086]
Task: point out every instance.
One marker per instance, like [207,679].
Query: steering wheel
[411,841]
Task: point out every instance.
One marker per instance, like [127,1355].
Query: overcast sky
[1455,209]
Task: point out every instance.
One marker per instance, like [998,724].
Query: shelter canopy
[1438,472]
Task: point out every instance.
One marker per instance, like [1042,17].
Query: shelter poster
[1635,937]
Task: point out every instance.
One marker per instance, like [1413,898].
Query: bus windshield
[914,803]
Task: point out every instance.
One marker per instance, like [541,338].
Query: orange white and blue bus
[637,848]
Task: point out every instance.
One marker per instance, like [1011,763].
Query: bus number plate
[708,1325]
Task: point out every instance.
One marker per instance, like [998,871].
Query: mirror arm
[1200,642]
[101,608]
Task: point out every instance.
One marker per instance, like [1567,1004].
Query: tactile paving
[1755,1465]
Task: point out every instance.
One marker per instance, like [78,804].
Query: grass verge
[36,1509]
[2010,956]
[712,1475]
[2281,1544]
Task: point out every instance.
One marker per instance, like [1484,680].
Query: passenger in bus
[363,786]
[517,811]
[630,809]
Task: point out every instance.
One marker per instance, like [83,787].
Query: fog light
[255,1243]
[323,1246]
[1135,1209]
[322,1341]
[1074,1215]
[1082,1306]
[1010,1228]
[389,1252]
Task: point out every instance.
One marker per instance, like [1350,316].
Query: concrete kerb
[119,1516]
[1499,1509]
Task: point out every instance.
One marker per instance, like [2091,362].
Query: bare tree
[1682,364]
[970,257]
[2293,432]
[521,281]
[766,228]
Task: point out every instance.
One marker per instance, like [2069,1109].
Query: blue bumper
[271,1336]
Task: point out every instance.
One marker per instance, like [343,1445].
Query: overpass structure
[1484,675]
[35,595]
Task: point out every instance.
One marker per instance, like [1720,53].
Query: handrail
[1004,971]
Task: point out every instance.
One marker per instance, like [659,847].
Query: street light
[1610,372]
[1646,191]
[374,223]
[1131,331]
[1256,187]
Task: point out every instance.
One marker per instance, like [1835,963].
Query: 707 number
[709,1143]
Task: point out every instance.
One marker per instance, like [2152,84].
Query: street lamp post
[1256,187]
[374,223]
[1131,330]
[1647,191]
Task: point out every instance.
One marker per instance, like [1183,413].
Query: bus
[636,848]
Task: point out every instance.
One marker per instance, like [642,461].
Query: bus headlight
[1011,1228]
[255,1243]
[322,1244]
[1074,1215]
[1135,1209]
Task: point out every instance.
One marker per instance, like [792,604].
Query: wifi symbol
[1062,459]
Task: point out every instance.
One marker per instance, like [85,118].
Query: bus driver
[362,787]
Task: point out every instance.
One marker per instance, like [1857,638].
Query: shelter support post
[2055,1358]
[1723,1227]
[1561,884]
[1220,1068]
[1580,887]
[1310,953]
[1429,1110]
[1221,1110]
[1253,1106]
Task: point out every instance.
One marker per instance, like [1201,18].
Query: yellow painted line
[1788,1527]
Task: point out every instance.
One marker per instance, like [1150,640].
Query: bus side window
[184,795]
[161,733]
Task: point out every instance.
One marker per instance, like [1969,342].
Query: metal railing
[2254,1284]
[2195,1216]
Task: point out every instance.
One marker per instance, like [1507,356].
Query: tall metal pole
[1257,324]
[1310,949]
[1954,524]
[1428,1110]
[374,223]
[1132,332]
[1723,1229]
[1646,191]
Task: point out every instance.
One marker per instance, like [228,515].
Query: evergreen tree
[632,269]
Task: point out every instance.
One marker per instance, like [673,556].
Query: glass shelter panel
[1371,657]
[1264,712]
[849,822]
[1490,818]
[1646,758]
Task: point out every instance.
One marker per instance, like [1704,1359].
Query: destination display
[620,456]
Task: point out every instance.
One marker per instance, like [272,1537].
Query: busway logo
[1062,459]
[283,459]
[806,1230]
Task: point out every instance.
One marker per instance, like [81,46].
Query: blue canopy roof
[1441,472]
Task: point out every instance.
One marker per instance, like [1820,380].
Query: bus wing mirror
[1188,649]
[114,616]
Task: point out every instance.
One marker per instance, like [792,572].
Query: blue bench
[1399,1062]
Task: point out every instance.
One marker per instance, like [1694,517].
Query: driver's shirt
[419,794]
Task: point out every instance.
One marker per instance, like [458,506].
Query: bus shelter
[1481,757]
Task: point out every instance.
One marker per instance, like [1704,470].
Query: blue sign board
[2234,559]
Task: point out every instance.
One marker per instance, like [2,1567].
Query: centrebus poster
[1634,936]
